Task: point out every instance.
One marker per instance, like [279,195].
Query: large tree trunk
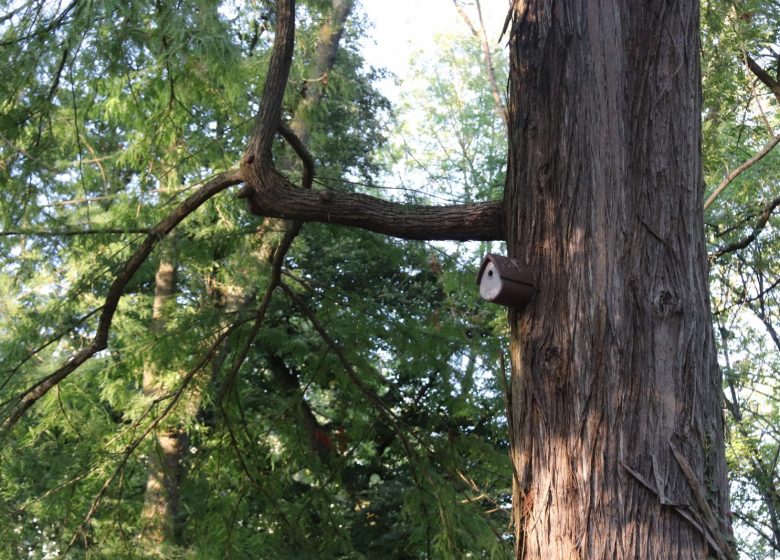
[616,421]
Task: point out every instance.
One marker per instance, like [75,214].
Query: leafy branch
[23,401]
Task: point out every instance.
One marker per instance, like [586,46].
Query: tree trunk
[161,501]
[616,421]
[327,47]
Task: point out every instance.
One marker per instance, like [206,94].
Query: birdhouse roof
[507,269]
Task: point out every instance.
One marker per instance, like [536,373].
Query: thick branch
[269,116]
[741,169]
[278,198]
[26,399]
[764,76]
[271,195]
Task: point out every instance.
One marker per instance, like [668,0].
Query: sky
[400,28]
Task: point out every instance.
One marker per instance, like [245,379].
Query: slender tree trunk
[616,421]
[327,46]
[161,501]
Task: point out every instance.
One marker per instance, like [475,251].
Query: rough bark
[274,196]
[616,421]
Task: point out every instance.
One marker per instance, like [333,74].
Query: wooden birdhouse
[504,281]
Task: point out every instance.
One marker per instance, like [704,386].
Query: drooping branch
[370,395]
[128,451]
[73,232]
[273,282]
[29,397]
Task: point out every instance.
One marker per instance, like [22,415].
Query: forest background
[322,393]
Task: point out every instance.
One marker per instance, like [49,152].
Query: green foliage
[740,117]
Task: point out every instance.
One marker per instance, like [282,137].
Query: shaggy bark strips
[614,362]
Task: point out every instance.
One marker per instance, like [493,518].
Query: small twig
[750,522]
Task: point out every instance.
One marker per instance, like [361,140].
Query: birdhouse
[504,281]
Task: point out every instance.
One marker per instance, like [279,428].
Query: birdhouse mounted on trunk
[504,281]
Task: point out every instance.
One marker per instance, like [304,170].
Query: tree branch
[73,232]
[757,229]
[128,451]
[303,153]
[753,524]
[258,153]
[375,399]
[764,76]
[774,87]
[271,195]
[278,198]
[483,41]
[273,283]
[741,169]
[100,341]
